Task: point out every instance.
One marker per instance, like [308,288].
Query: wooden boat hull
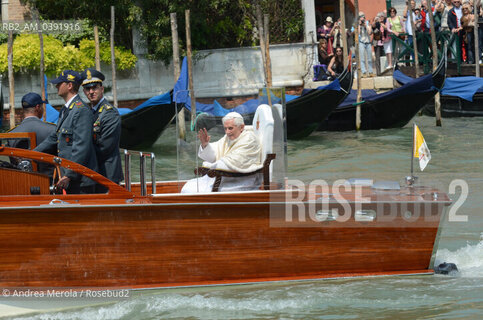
[122,239]
[456,107]
[210,241]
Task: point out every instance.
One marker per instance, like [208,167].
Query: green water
[456,150]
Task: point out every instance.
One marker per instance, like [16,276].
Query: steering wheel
[55,178]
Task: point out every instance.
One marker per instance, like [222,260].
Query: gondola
[460,96]
[392,109]
[303,113]
[454,106]
[142,126]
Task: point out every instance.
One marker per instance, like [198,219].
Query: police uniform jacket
[106,134]
[42,131]
[72,140]
[32,124]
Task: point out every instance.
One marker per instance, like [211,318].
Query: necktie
[61,113]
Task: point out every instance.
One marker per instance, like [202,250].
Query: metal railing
[404,52]
[142,170]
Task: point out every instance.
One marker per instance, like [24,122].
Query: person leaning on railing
[407,23]
[454,23]
[468,25]
[443,7]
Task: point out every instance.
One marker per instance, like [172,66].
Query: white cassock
[244,154]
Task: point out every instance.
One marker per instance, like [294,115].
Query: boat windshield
[263,112]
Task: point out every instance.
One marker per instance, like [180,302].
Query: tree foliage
[97,12]
[58,57]
[217,23]
[214,23]
[123,57]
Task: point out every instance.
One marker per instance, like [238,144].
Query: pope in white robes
[239,150]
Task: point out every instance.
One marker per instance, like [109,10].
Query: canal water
[456,150]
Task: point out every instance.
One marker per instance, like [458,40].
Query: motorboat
[147,234]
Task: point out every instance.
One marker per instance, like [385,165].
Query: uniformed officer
[32,113]
[72,138]
[106,128]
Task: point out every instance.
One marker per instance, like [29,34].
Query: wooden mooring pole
[414,35]
[261,35]
[268,62]
[359,73]
[113,59]
[176,71]
[476,37]
[42,68]
[11,97]
[96,44]
[190,67]
[434,48]
[343,31]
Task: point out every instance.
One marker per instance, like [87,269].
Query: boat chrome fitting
[410,180]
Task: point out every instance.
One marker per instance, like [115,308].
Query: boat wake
[469,259]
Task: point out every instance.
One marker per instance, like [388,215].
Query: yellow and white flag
[421,150]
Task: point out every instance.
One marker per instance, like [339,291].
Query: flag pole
[411,178]
[412,150]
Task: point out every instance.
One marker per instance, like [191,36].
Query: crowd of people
[375,40]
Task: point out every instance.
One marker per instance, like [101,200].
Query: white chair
[263,124]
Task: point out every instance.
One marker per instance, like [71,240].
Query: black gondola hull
[305,113]
[452,106]
[392,111]
[378,114]
[141,128]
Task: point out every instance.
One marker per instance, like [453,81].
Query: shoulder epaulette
[106,105]
[79,103]
[50,123]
